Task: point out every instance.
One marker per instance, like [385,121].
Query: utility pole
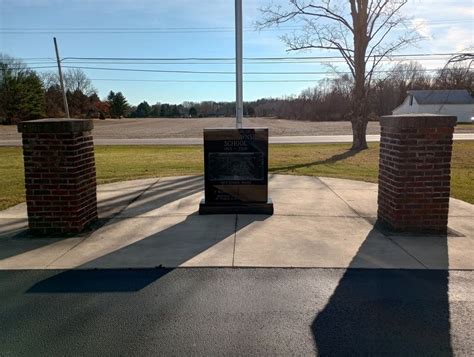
[238,64]
[61,81]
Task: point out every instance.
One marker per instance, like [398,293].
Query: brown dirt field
[192,128]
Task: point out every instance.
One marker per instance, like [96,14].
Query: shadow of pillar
[15,238]
[177,243]
[386,311]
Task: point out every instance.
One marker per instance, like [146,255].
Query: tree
[165,110]
[75,79]
[79,89]
[465,60]
[21,92]
[79,103]
[54,102]
[118,104]
[31,104]
[175,113]
[143,110]
[357,29]
[192,112]
[455,76]
[155,110]
[390,91]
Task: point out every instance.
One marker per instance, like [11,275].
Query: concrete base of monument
[237,208]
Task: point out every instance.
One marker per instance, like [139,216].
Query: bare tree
[76,80]
[463,57]
[358,29]
[456,76]
[49,79]
[11,65]
[457,73]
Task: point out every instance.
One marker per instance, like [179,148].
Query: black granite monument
[236,171]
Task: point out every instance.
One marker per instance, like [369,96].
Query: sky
[193,29]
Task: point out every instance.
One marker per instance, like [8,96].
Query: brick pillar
[414,172]
[59,175]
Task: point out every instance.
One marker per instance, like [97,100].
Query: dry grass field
[192,127]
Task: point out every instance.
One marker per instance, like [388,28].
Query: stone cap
[418,120]
[50,125]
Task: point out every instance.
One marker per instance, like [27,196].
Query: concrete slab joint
[414,172]
[60,176]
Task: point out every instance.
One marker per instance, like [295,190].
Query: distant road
[314,139]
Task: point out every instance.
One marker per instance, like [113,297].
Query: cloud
[454,38]
[420,25]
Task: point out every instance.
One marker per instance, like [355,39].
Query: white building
[448,102]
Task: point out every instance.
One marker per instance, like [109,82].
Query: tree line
[331,99]
[26,94]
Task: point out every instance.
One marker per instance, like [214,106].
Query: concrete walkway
[318,222]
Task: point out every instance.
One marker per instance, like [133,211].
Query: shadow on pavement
[99,281]
[386,312]
[178,242]
[15,238]
[164,191]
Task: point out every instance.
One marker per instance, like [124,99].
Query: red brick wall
[414,172]
[60,176]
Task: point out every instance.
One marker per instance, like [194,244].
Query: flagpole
[238,64]
[61,80]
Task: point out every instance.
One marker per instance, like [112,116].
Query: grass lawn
[118,163]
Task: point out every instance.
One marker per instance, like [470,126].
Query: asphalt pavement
[225,311]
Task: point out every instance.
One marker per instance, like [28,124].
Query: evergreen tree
[143,110]
[192,112]
[165,110]
[118,104]
[155,110]
[21,93]
[32,103]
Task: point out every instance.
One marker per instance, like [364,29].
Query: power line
[298,58]
[185,71]
[339,60]
[41,31]
[36,59]
[198,81]
[34,67]
[215,72]
[69,61]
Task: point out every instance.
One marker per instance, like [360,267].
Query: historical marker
[236,171]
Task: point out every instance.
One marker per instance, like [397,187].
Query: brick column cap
[51,125]
[418,120]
